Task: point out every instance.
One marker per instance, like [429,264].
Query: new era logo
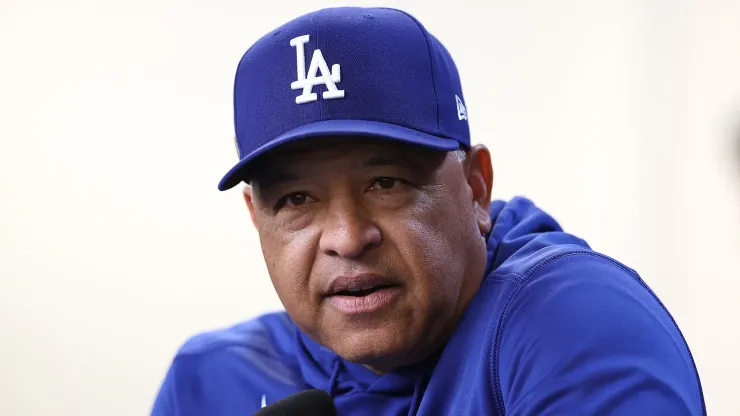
[306,81]
[462,113]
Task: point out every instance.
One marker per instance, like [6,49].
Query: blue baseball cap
[346,72]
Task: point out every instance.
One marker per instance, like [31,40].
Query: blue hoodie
[555,328]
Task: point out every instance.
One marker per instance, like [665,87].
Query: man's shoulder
[568,327]
[578,316]
[546,267]
[235,368]
[272,333]
[260,350]
[572,281]
[564,271]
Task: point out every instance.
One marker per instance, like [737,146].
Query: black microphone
[313,402]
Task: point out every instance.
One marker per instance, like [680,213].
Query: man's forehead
[366,152]
[297,159]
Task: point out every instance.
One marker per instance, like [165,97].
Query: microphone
[312,402]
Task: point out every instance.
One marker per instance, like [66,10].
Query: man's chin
[381,351]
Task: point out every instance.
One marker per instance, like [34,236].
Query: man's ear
[480,180]
[249,199]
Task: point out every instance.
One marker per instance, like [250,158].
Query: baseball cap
[346,72]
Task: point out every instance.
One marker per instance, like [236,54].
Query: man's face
[374,247]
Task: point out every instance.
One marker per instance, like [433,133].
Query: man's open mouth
[361,291]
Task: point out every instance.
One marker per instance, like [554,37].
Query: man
[406,290]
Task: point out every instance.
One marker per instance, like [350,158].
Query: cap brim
[330,128]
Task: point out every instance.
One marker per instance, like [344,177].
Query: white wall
[115,126]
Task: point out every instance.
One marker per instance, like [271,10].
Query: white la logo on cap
[306,82]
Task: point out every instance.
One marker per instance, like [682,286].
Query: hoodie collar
[515,224]
[324,369]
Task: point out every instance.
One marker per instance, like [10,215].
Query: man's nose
[348,230]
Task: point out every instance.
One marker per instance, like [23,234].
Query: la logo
[306,81]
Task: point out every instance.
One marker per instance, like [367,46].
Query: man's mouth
[362,291]
[358,285]
[362,294]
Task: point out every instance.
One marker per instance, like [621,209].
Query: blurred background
[619,117]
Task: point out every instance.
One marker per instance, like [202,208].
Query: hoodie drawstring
[334,376]
[415,399]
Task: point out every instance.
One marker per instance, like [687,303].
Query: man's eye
[295,199]
[385,183]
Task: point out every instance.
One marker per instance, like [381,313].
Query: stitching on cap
[431,62]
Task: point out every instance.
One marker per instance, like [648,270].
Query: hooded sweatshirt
[555,328]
